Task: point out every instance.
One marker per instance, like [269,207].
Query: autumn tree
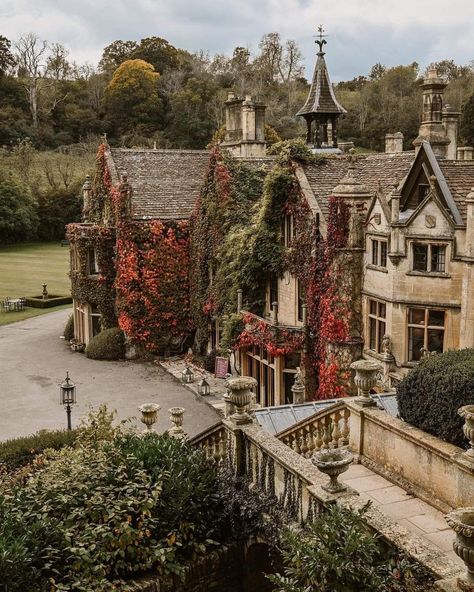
[131,97]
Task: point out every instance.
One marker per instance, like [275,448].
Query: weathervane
[321,41]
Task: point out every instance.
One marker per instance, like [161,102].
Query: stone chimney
[432,129]
[394,142]
[245,127]
[86,198]
[451,123]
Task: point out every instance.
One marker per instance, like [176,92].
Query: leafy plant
[431,394]
[107,345]
[336,553]
[69,328]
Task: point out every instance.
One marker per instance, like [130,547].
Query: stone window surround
[376,252]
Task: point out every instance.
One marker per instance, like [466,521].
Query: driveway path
[34,361]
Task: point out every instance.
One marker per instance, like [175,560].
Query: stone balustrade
[213,442]
[330,428]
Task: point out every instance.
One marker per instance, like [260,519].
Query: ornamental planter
[467,412]
[149,413]
[365,379]
[462,522]
[176,417]
[333,463]
[240,395]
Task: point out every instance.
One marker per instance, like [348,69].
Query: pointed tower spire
[321,106]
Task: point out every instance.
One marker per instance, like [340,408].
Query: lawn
[23,270]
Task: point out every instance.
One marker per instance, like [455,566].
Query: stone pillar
[451,124]
[394,142]
[466,332]
[468,153]
[460,153]
[260,123]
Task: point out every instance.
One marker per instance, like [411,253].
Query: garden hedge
[19,452]
[431,394]
[69,329]
[107,345]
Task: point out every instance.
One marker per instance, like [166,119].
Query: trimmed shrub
[19,452]
[69,329]
[431,394]
[107,345]
[115,505]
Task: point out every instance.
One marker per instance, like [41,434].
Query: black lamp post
[67,392]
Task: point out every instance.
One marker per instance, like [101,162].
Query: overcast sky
[361,32]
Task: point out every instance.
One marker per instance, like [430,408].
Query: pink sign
[222,367]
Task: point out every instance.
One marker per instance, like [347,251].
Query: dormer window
[429,258]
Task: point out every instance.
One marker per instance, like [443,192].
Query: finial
[321,41]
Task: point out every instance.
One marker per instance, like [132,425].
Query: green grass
[25,267]
[6,318]
[23,270]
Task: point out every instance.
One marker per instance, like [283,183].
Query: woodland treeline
[146,92]
[149,93]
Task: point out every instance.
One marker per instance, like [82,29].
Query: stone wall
[218,571]
[434,469]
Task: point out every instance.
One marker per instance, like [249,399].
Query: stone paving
[414,514]
[34,361]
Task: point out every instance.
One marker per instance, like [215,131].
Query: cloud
[361,32]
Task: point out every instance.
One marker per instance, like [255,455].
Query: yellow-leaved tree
[132,101]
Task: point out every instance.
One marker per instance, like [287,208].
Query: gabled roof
[459,177]
[378,172]
[321,97]
[165,183]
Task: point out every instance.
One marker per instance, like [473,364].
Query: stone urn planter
[176,417]
[462,522]
[365,379]
[333,463]
[149,413]
[240,395]
[467,412]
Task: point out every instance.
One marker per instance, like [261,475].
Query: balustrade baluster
[327,432]
[304,443]
[336,434]
[319,435]
[345,427]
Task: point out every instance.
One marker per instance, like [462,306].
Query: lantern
[204,388]
[187,375]
[67,393]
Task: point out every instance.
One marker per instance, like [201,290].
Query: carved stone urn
[149,413]
[333,463]
[462,522]
[240,395]
[467,412]
[365,379]
[176,417]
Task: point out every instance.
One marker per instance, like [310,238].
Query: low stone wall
[435,470]
[215,572]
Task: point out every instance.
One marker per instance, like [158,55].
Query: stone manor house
[414,261]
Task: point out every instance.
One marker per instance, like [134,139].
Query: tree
[132,98]
[31,63]
[7,60]
[115,54]
[17,212]
[158,52]
[467,122]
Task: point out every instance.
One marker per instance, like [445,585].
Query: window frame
[379,252]
[378,321]
[429,257]
[92,261]
[426,329]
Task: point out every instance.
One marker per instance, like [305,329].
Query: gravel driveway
[34,361]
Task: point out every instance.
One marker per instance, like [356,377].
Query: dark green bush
[18,219]
[113,506]
[431,394]
[19,452]
[107,345]
[336,553]
[209,362]
[69,328]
